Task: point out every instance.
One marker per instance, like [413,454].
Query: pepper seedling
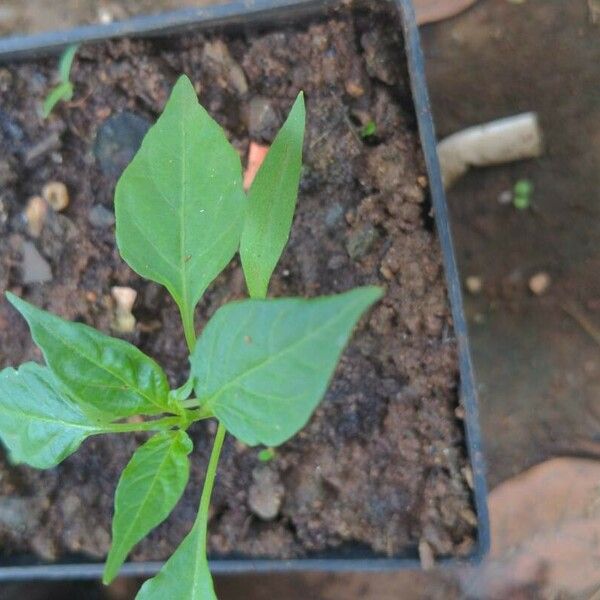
[259,367]
[64,90]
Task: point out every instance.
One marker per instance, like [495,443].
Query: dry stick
[583,321]
[596,595]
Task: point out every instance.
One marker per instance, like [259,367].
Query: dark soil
[382,461]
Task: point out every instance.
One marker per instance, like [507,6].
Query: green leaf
[368,129]
[109,375]
[38,424]
[63,91]
[185,574]
[65,62]
[262,366]
[148,490]
[271,203]
[179,204]
[266,454]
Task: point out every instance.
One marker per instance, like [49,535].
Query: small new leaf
[262,366]
[64,90]
[109,375]
[179,204]
[271,203]
[38,424]
[148,490]
[185,574]
[65,62]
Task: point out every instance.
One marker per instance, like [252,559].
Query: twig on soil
[596,595]
[583,321]
[494,143]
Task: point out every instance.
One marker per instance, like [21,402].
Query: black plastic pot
[266,12]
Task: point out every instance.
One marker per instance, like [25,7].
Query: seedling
[368,129]
[522,194]
[259,367]
[266,454]
[64,90]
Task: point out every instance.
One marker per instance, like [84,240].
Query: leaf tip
[14,300]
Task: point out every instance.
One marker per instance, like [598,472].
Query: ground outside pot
[263,14]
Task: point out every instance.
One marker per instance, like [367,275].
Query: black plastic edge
[265,11]
[232,13]
[416,66]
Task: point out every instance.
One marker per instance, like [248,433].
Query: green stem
[187,318]
[209,482]
[156,425]
[199,414]
[190,403]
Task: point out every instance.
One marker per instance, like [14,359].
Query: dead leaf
[256,156]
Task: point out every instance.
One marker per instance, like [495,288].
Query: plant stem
[190,403]
[209,482]
[156,425]
[187,318]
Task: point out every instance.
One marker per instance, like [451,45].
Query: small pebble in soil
[55,193]
[117,141]
[35,214]
[42,147]
[360,242]
[426,555]
[266,493]
[19,514]
[263,121]
[379,63]
[334,215]
[539,283]
[101,217]
[34,267]
[505,197]
[354,88]
[474,284]
[6,80]
[7,175]
[4,212]
[217,55]
[124,297]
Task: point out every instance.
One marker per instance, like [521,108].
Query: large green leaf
[262,366]
[109,375]
[271,203]
[38,424]
[149,488]
[185,574]
[180,204]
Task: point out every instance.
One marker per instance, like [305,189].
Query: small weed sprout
[259,367]
[64,90]
[368,130]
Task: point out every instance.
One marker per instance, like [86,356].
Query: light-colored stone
[34,267]
[266,494]
[539,283]
[35,215]
[124,297]
[55,193]
[474,284]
